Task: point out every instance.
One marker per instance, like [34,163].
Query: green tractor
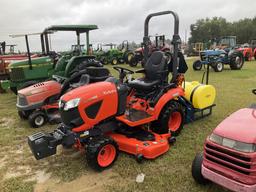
[33,70]
[114,55]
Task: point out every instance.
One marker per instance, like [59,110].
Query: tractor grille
[229,159]
[21,100]
[203,56]
[17,74]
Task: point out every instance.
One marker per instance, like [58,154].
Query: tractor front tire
[218,67]
[197,65]
[197,169]
[114,61]
[23,115]
[133,62]
[171,119]
[101,153]
[37,119]
[236,61]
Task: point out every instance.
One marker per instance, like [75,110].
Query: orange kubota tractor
[139,117]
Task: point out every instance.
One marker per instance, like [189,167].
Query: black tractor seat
[84,80]
[97,74]
[156,72]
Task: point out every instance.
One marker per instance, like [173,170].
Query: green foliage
[208,29]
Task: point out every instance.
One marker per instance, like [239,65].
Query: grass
[170,172]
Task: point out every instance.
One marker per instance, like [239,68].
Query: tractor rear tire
[101,152]
[197,169]
[218,67]
[197,65]
[37,119]
[128,57]
[114,61]
[133,62]
[236,61]
[171,119]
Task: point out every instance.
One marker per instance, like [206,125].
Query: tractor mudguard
[74,62]
[168,96]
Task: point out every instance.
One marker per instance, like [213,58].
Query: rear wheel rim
[219,66]
[114,61]
[174,121]
[238,61]
[129,57]
[39,120]
[106,155]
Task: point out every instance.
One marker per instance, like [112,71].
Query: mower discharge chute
[138,116]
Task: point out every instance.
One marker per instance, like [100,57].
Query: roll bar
[175,40]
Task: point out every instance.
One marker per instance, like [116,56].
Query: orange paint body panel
[149,149]
[154,112]
[39,92]
[104,92]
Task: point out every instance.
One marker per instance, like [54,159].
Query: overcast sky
[117,19]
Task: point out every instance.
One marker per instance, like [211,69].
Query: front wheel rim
[219,66]
[39,120]
[174,121]
[106,155]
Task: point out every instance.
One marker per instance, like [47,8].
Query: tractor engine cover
[97,102]
[39,92]
[200,95]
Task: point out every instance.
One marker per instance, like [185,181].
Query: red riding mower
[39,103]
[138,116]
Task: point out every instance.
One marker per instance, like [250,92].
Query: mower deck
[140,142]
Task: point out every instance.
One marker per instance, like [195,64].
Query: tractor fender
[168,96]
[235,53]
[75,61]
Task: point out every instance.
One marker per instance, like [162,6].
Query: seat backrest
[155,66]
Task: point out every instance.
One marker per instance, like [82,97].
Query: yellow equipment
[200,95]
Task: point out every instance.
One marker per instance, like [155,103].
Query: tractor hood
[239,126]
[214,52]
[35,61]
[52,87]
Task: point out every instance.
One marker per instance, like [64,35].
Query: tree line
[207,30]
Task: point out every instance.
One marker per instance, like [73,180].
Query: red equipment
[39,103]
[229,157]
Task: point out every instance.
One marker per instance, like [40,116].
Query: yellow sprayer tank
[200,95]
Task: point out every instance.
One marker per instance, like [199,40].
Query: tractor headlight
[233,144]
[71,104]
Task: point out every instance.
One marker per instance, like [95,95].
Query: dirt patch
[18,171]
[92,181]
[7,122]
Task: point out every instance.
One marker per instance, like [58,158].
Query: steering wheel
[254,91]
[123,72]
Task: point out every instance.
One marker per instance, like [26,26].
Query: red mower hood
[47,86]
[239,126]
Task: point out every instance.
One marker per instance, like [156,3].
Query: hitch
[45,144]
